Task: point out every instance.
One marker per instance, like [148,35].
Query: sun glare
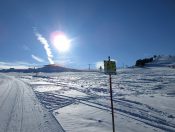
[61,42]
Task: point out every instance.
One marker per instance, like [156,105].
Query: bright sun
[61,42]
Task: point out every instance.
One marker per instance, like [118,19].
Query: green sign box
[110,67]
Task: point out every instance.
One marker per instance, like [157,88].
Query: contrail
[46,47]
[37,58]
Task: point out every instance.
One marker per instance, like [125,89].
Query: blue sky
[124,29]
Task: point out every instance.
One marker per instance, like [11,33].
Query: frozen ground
[143,99]
[20,110]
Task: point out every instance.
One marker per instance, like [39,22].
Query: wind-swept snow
[143,99]
[20,111]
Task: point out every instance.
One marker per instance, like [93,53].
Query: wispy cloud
[64,62]
[17,65]
[44,42]
[37,58]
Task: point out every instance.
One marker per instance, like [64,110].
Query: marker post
[112,108]
[110,69]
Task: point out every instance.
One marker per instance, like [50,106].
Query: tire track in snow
[22,109]
[18,112]
[125,108]
[142,116]
[135,110]
[5,95]
[12,109]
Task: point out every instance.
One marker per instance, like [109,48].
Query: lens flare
[60,41]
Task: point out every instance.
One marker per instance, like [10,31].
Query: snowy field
[143,99]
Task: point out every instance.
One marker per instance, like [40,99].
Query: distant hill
[46,68]
[157,61]
[55,68]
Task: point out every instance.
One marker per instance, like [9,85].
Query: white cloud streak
[64,62]
[37,58]
[44,42]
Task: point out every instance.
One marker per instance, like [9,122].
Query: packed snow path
[20,111]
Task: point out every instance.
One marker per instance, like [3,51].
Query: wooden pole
[112,108]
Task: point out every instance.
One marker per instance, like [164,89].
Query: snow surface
[143,99]
[162,61]
[20,110]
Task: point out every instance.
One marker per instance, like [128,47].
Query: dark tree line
[142,62]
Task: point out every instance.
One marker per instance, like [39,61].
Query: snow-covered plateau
[143,101]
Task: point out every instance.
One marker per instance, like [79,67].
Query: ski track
[135,82]
[20,111]
[125,108]
[154,82]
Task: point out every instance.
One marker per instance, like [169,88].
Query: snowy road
[20,111]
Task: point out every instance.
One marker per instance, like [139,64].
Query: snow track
[130,109]
[143,99]
[20,111]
